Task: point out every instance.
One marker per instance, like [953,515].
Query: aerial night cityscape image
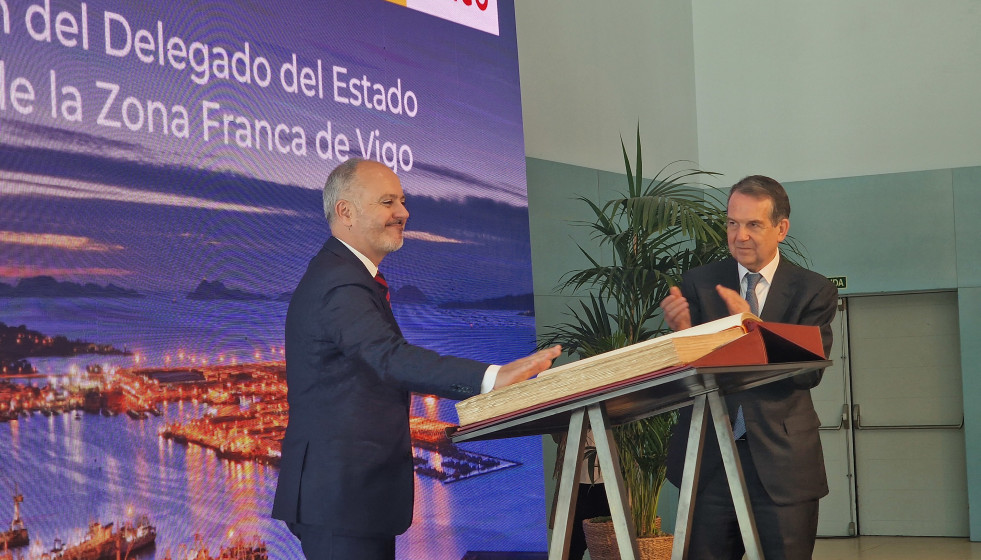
[161,168]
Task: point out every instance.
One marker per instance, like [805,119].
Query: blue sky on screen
[158,211]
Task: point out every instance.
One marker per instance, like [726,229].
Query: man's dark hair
[761,186]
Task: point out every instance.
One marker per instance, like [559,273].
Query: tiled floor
[897,548]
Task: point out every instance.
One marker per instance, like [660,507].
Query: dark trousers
[787,532]
[590,502]
[318,543]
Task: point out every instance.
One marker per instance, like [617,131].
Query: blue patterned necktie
[752,279]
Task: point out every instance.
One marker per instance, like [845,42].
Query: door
[908,415]
[892,422]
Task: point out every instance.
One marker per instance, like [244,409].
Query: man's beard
[392,245]
[388,244]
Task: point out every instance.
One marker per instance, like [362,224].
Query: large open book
[720,342]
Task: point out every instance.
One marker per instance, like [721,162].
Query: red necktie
[381,280]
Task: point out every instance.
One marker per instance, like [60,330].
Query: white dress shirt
[763,287]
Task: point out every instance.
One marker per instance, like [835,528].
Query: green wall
[967,227]
[901,232]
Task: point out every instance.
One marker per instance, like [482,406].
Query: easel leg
[565,507]
[609,459]
[734,474]
[689,480]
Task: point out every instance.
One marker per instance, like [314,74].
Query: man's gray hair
[338,186]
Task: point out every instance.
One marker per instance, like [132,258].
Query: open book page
[712,327]
[616,366]
[718,325]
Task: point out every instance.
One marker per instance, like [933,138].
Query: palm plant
[645,239]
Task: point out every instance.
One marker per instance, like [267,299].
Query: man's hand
[676,312]
[527,367]
[735,302]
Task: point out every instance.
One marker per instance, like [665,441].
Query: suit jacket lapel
[731,277]
[713,306]
[779,296]
[335,246]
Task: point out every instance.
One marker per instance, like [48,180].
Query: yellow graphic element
[399,2]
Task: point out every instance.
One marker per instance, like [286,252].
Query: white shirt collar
[767,271]
[367,262]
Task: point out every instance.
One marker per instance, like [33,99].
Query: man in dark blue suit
[346,476]
[775,425]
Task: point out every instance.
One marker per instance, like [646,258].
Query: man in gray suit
[775,425]
[346,477]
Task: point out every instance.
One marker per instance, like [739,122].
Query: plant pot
[602,542]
